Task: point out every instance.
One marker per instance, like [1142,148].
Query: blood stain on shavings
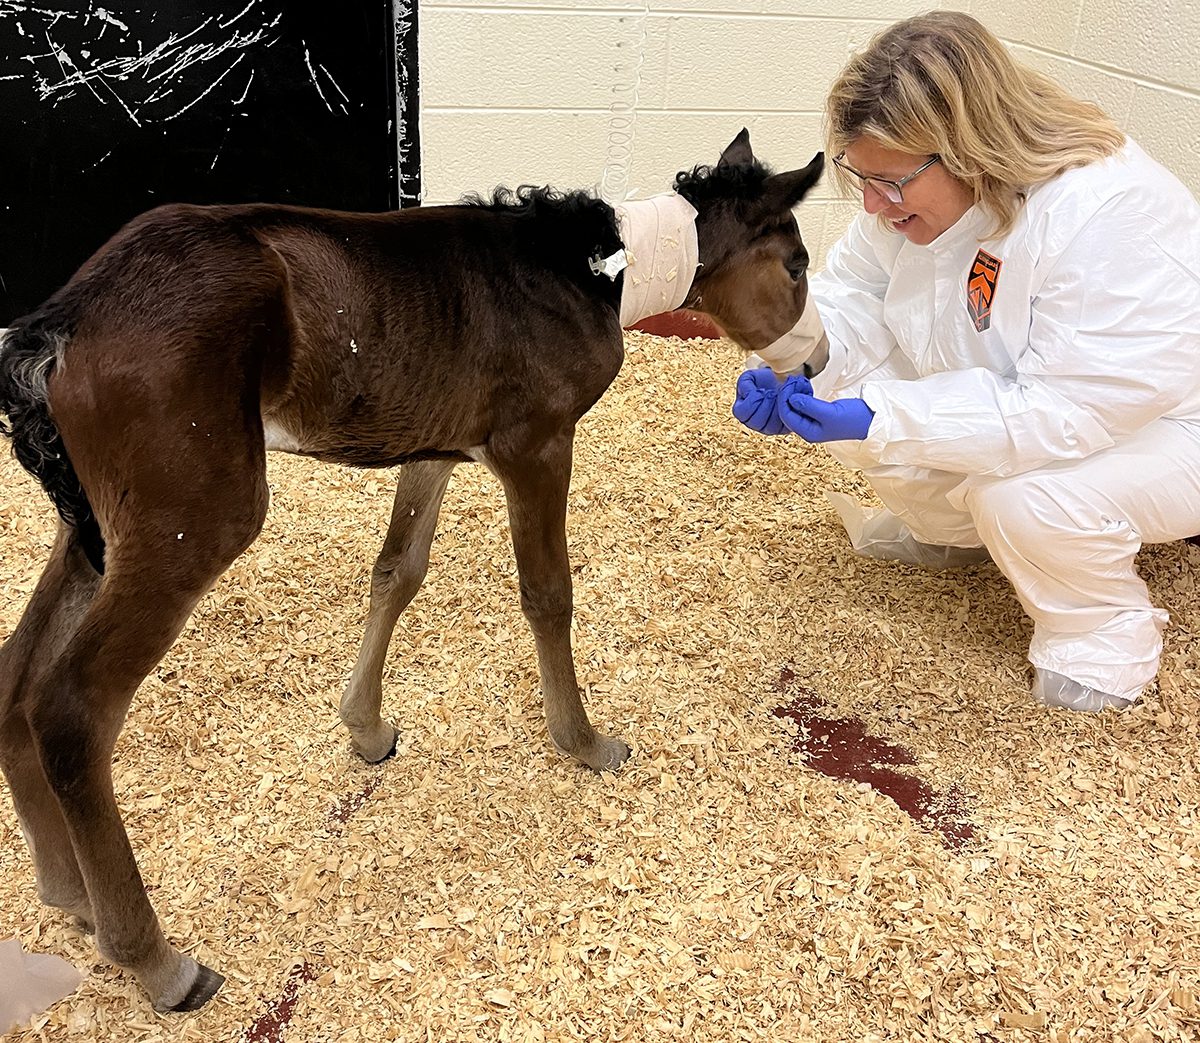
[269,1026]
[349,804]
[841,748]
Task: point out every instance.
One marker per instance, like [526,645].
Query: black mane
[702,184]
[536,201]
[572,226]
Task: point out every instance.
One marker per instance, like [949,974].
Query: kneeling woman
[1013,333]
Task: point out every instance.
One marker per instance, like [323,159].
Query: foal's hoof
[203,989]
[604,753]
[379,746]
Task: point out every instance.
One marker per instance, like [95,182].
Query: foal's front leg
[536,481]
[399,571]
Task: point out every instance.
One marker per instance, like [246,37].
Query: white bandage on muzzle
[803,349]
[661,252]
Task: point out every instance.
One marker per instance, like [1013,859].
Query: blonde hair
[942,83]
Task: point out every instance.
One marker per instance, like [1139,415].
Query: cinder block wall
[525,90]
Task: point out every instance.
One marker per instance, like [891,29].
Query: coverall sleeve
[849,293]
[1114,343]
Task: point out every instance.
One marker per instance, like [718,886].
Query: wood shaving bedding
[719,887]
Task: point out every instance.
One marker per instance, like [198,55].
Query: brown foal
[145,394]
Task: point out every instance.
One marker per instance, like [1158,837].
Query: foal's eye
[797,266]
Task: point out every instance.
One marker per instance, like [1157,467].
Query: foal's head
[753,277]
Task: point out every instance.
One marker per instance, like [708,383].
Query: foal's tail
[28,354]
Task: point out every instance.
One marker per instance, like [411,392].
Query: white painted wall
[520,90]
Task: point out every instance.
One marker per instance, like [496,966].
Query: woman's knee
[1022,512]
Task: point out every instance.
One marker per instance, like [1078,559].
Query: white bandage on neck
[661,252]
[804,342]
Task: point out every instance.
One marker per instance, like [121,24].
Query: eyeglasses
[892,191]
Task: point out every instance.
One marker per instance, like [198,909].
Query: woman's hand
[816,420]
[757,401]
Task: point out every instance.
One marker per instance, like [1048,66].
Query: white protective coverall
[1038,394]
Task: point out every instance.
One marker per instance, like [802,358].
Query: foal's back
[415,334]
[371,339]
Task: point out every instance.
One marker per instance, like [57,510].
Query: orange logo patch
[981,288]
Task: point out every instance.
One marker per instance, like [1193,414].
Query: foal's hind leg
[536,481]
[64,591]
[399,571]
[77,704]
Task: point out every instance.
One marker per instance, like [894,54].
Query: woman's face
[933,200]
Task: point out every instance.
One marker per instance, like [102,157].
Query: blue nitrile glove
[757,401]
[816,420]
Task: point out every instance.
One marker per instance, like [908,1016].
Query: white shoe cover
[876,533]
[1053,689]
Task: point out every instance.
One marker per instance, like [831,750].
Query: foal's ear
[784,191]
[738,152]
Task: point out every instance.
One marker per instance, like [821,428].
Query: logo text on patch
[981,289]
